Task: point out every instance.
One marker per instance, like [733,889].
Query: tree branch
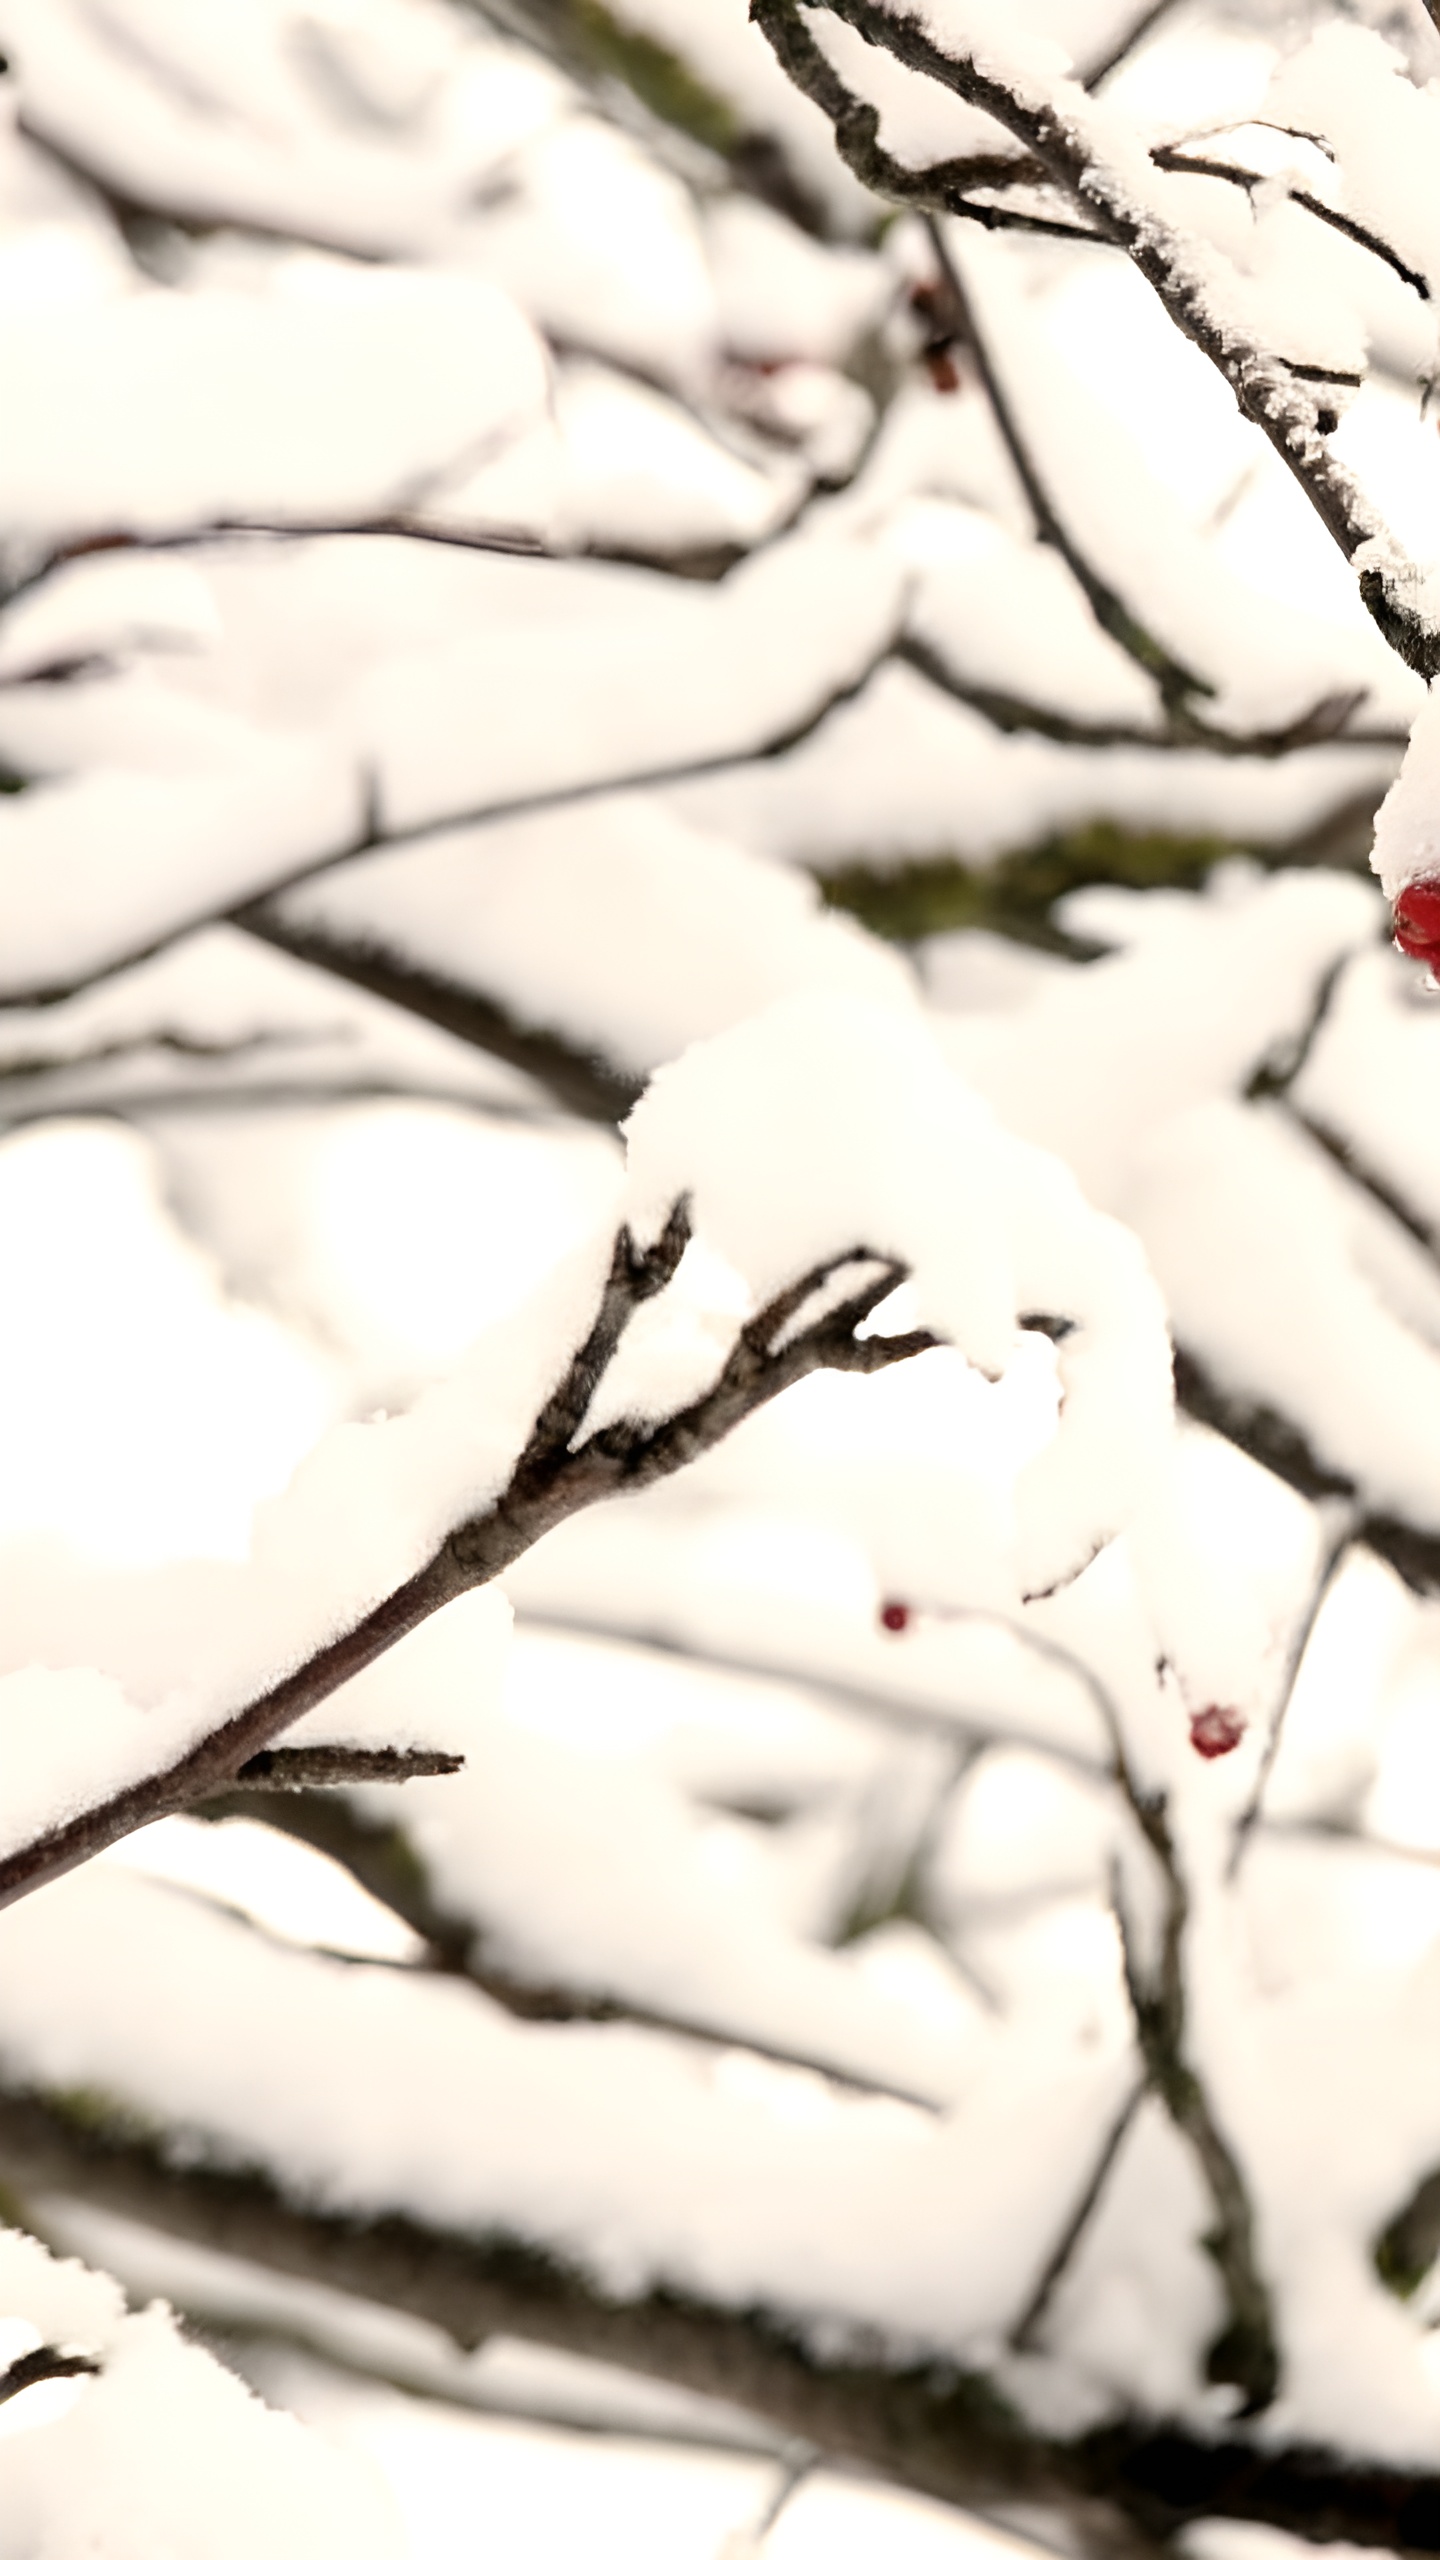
[419,989]
[339,1764]
[551,1481]
[383,1858]
[43,2364]
[1174,682]
[1026,2332]
[1274,1441]
[1245,2352]
[578,1081]
[1182,162]
[1335,1546]
[917,2421]
[1056,135]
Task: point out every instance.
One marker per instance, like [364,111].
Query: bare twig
[1271,1079]
[1174,681]
[1133,37]
[225,528]
[1338,1530]
[1179,158]
[340,1764]
[1026,2332]
[1245,2352]
[551,1481]
[43,2364]
[1327,721]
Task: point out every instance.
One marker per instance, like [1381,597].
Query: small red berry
[895,1617]
[1417,919]
[1216,1730]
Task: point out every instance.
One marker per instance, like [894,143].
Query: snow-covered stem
[921,2423]
[1276,1441]
[1286,410]
[383,1858]
[551,1481]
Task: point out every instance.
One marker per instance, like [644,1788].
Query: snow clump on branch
[825,1123]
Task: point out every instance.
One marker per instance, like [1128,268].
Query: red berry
[895,1617]
[1417,919]
[1216,1730]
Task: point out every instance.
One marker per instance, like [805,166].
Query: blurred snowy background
[514,563]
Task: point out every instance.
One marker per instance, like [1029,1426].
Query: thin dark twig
[1327,721]
[1174,681]
[404,527]
[1337,1537]
[43,2364]
[1135,34]
[1245,2352]
[1180,161]
[1026,2332]
[1346,1157]
[556,1475]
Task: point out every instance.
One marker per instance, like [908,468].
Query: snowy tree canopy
[720,1380]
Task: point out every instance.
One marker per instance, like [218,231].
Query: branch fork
[559,1472]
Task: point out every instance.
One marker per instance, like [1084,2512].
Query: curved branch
[1174,682]
[382,1857]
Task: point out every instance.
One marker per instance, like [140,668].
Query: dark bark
[919,2421]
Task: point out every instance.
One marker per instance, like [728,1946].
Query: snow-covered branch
[1090,156]
[954,2435]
